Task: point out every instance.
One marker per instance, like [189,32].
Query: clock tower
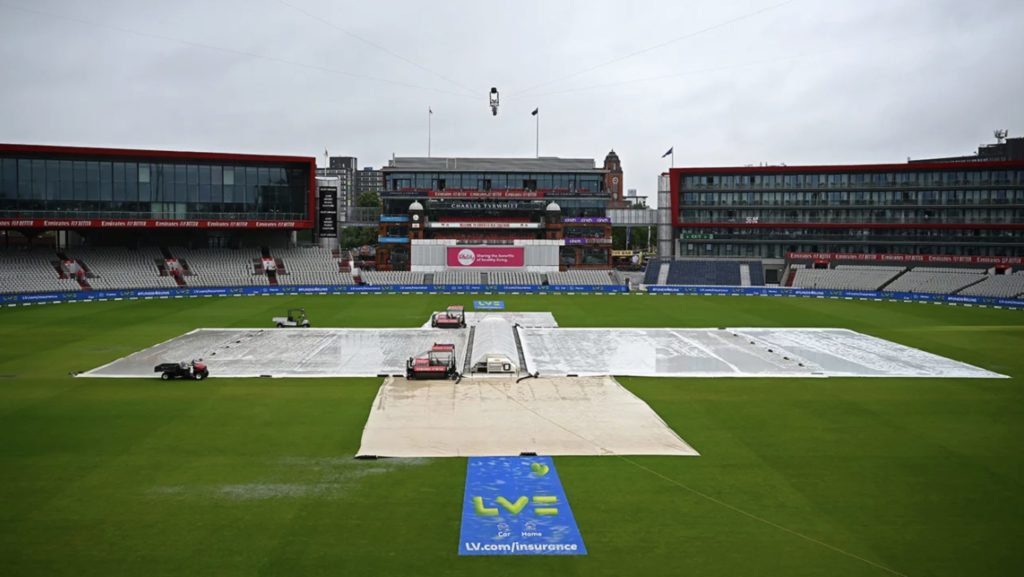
[613,179]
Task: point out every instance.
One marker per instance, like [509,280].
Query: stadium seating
[581,277]
[704,273]
[514,278]
[119,268]
[652,270]
[949,269]
[391,277]
[756,272]
[936,280]
[310,266]
[38,270]
[1001,286]
[25,271]
[846,277]
[213,267]
[457,277]
[869,267]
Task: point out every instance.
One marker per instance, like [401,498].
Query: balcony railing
[866,204]
[761,220]
[497,192]
[762,187]
[856,240]
[149,215]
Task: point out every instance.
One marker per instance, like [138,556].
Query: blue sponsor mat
[489,305]
[516,506]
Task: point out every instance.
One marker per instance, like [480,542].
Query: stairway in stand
[663,273]
[744,274]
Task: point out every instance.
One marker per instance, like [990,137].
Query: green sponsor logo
[542,505]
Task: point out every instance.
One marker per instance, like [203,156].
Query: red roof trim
[902,167]
[917,225]
[128,152]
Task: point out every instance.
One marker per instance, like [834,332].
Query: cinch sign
[485,256]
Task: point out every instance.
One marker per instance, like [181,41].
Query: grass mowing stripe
[702,494]
[918,475]
[761,519]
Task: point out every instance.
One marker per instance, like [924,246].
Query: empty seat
[869,278]
[122,268]
[930,280]
[456,277]
[310,266]
[392,277]
[1001,286]
[705,273]
[515,278]
[581,277]
[32,270]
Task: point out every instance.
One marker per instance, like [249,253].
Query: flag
[535,112]
[430,110]
[668,152]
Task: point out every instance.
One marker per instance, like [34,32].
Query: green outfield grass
[255,477]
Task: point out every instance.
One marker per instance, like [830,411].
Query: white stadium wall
[527,255]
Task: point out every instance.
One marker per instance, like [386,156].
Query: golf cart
[453,318]
[196,370]
[295,318]
[437,363]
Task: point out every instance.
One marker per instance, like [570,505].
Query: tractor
[437,363]
[295,318]
[452,318]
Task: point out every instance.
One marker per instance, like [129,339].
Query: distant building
[344,169]
[557,203]
[344,163]
[613,180]
[369,180]
[938,207]
[1010,149]
[634,200]
[114,196]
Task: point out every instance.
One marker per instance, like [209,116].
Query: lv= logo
[544,509]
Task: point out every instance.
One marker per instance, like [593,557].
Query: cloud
[802,82]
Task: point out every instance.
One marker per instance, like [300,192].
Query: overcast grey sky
[725,82]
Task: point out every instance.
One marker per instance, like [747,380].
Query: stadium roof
[542,164]
[901,167]
[43,150]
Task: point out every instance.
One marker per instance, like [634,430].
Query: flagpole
[538,134]
[430,117]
